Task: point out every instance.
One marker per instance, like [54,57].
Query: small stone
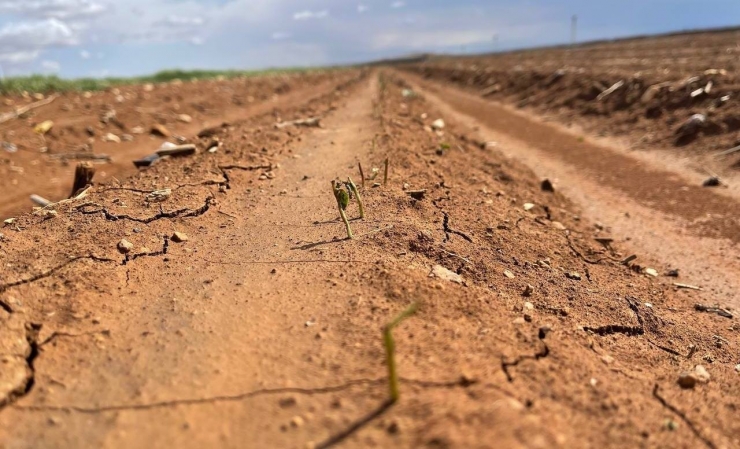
[528,306]
[519,320]
[160,130]
[125,247]
[528,206]
[446,275]
[737,368]
[687,380]
[137,130]
[528,290]
[179,237]
[701,374]
[110,137]
[573,275]
[438,124]
[509,274]
[394,428]
[651,272]
[127,137]
[559,226]
[544,330]
[547,186]
[297,421]
[607,359]
[184,118]
[712,182]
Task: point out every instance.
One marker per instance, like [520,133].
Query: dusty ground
[263,328]
[44,165]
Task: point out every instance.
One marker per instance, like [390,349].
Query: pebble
[110,137]
[651,272]
[528,306]
[184,118]
[446,275]
[127,137]
[737,368]
[438,124]
[137,130]
[509,274]
[573,275]
[125,247]
[528,206]
[297,421]
[607,359]
[179,237]
[701,373]
[528,290]
[559,226]
[547,186]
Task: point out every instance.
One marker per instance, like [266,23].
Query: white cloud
[362,8]
[306,15]
[197,40]
[53,9]
[398,4]
[279,36]
[51,66]
[22,42]
[420,40]
[177,21]
[84,54]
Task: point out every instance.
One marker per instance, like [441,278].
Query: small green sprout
[390,350]
[342,198]
[353,189]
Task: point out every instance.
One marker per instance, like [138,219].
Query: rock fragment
[447,275]
[179,237]
[125,247]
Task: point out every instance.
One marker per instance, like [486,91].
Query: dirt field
[237,313]
[660,83]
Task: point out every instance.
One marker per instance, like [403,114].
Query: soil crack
[180,213]
[684,418]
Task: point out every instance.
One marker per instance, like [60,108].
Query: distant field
[45,84]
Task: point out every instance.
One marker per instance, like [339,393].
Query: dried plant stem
[385,173]
[362,174]
[338,196]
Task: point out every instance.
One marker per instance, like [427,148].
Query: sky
[98,38]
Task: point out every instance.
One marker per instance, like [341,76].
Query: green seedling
[342,198]
[390,350]
[353,189]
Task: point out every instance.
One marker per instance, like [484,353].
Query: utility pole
[573,29]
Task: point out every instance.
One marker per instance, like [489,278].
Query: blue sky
[76,38]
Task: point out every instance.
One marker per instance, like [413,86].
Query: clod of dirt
[446,275]
[179,237]
[687,380]
[160,130]
[672,273]
[417,194]
[528,290]
[547,186]
[714,181]
[125,247]
[438,124]
[573,275]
